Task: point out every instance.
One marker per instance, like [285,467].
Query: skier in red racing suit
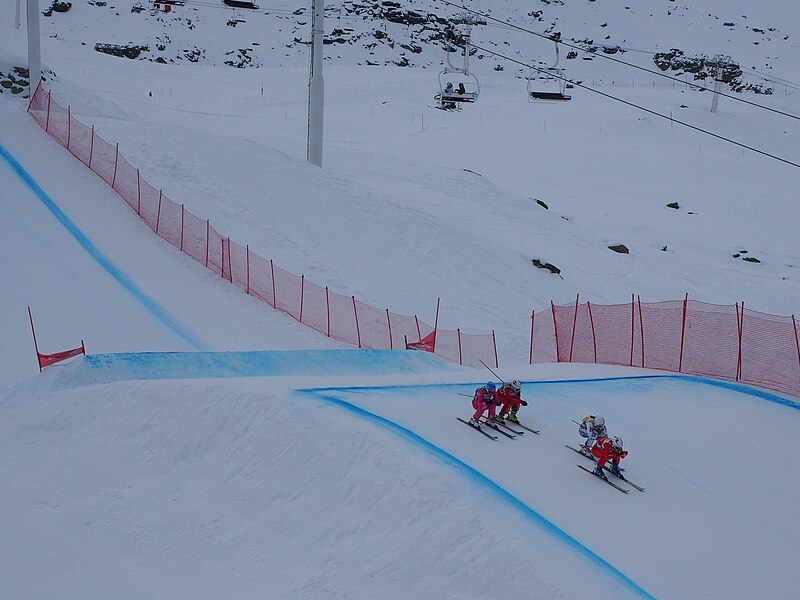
[607,449]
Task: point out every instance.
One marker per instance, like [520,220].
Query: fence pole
[555,330]
[436,326]
[530,359]
[230,262]
[740,323]
[641,325]
[494,343]
[69,125]
[116,161]
[138,194]
[328,308]
[633,326]
[683,331]
[574,324]
[302,294]
[208,238]
[158,214]
[389,323]
[35,343]
[355,312]
[419,335]
[91,148]
[796,339]
[182,219]
[33,95]
[274,293]
[459,346]
[47,122]
[247,248]
[222,257]
[591,321]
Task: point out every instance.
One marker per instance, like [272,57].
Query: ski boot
[475,423]
[615,469]
[599,472]
[499,419]
[585,450]
[512,416]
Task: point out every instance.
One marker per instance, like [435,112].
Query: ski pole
[490,369]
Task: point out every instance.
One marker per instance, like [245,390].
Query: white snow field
[210,447]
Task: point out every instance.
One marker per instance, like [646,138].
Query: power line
[642,108]
[616,60]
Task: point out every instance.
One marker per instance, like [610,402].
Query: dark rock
[621,248]
[673,205]
[737,255]
[6,84]
[664,249]
[751,259]
[131,52]
[17,90]
[542,204]
[546,265]
[61,7]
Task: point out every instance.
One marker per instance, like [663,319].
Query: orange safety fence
[337,316]
[683,336]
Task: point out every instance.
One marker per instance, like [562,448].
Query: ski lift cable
[644,109]
[616,60]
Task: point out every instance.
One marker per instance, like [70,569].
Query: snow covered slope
[335,478]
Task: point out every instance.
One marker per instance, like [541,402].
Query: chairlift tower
[718,64]
[316,85]
[34,43]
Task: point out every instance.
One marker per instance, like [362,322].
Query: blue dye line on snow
[123,279]
[486,483]
[728,385]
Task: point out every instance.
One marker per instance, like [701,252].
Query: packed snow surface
[209,447]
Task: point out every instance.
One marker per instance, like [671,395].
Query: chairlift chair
[551,86]
[241,4]
[465,87]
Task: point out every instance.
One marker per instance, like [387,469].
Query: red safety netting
[770,351]
[686,336]
[341,317]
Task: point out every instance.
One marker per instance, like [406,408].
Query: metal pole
[715,97]
[34,45]
[16,18]
[316,85]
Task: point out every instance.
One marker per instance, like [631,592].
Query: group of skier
[598,445]
[488,397]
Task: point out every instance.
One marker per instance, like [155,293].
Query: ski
[514,431]
[611,483]
[497,429]
[625,479]
[527,428]
[478,429]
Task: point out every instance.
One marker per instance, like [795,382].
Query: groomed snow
[340,474]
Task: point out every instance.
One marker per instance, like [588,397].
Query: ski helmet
[490,387]
[599,422]
[616,443]
[516,386]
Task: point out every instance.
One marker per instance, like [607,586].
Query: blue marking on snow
[123,279]
[105,368]
[483,481]
[729,385]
